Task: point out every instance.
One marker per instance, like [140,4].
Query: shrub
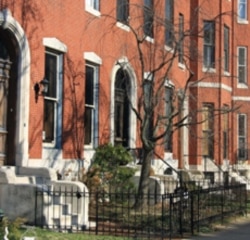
[109,170]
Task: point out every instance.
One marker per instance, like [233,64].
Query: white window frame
[226,49]
[242,18]
[169,23]
[90,7]
[148,10]
[211,46]
[170,86]
[240,65]
[94,121]
[56,143]
[245,130]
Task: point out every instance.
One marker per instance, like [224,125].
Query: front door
[8,97]
[4,86]
[122,108]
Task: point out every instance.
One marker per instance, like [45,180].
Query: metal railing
[164,215]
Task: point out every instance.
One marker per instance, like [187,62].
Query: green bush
[109,170]
[13,228]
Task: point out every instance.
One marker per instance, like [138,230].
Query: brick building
[88,52]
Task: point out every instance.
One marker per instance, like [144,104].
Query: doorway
[8,97]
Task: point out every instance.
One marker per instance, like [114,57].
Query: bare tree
[156,46]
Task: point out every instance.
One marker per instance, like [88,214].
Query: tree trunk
[143,189]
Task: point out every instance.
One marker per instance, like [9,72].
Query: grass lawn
[43,234]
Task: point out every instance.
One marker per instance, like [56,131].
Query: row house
[73,72]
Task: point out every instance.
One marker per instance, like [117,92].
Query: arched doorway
[122,110]
[8,97]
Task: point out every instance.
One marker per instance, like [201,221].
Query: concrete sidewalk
[238,229]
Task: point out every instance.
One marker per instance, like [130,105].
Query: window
[122,11]
[242,64]
[169,21]
[90,114]
[52,101]
[94,4]
[148,18]
[168,112]
[181,35]
[242,10]
[225,132]
[93,7]
[242,136]
[122,108]
[226,49]
[207,131]
[209,45]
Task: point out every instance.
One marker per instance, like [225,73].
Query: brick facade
[81,40]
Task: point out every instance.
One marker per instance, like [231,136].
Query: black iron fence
[164,216]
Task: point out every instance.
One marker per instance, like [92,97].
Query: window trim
[57,102]
[210,45]
[242,136]
[226,49]
[208,108]
[225,117]
[242,20]
[148,7]
[89,8]
[239,83]
[118,17]
[168,146]
[94,107]
[169,23]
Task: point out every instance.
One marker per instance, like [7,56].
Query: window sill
[92,11]
[242,85]
[208,70]
[227,74]
[181,66]
[123,26]
[88,146]
[169,49]
[242,21]
[49,145]
[149,39]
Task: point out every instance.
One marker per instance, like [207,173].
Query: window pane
[242,9]
[242,56]
[241,125]
[226,48]
[96,5]
[88,125]
[89,85]
[169,14]
[181,29]
[209,44]
[49,119]
[51,74]
[242,75]
[209,32]
[122,10]
[169,109]
[148,18]
[207,130]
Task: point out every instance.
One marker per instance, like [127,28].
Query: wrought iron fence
[164,216]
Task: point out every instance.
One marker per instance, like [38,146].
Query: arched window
[122,108]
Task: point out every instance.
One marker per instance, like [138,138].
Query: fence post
[96,213]
[35,212]
[181,212]
[192,213]
[222,205]
[198,211]
[170,215]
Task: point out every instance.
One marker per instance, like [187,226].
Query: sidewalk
[238,229]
